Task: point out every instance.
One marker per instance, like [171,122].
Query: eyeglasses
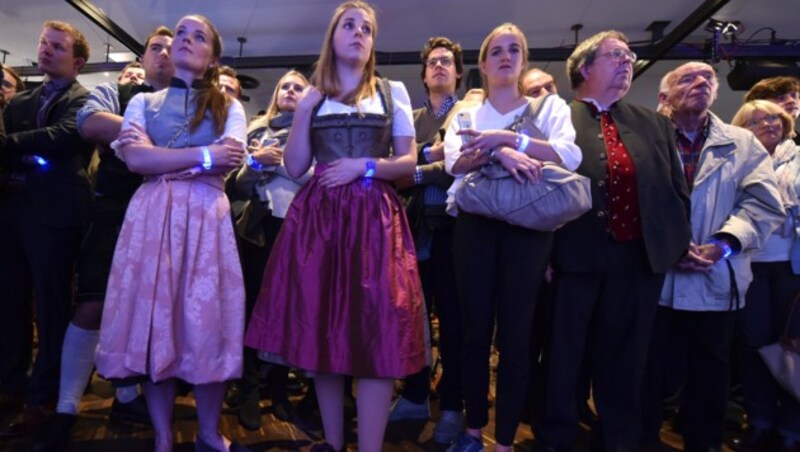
[769,119]
[618,54]
[444,61]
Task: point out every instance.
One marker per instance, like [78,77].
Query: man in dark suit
[99,122]
[611,262]
[44,206]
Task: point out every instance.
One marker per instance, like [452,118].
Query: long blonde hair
[507,27]
[325,77]
[272,109]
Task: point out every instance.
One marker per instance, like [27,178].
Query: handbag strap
[493,169]
[537,104]
[531,113]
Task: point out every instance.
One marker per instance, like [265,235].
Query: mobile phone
[464,122]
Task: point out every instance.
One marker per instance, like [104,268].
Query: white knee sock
[77,363]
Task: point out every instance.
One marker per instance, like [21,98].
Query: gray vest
[168,113]
[354,135]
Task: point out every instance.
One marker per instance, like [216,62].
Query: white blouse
[403,120]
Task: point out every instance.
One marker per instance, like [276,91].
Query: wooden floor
[94,433]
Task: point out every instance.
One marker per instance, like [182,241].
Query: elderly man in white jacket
[735,205]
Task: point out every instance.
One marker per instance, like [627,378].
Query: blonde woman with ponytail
[175,301]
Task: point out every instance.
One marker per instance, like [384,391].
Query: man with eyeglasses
[537,82]
[610,263]
[442,68]
[735,206]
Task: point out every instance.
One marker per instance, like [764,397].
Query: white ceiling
[296,27]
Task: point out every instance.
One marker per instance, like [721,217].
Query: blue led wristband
[41,161]
[727,251]
[370,169]
[253,163]
[522,142]
[206,158]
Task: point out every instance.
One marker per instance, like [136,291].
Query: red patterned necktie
[623,201]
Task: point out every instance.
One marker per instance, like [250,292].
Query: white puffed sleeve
[403,120]
[236,124]
[555,121]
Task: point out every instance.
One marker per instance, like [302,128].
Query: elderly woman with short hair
[776,284]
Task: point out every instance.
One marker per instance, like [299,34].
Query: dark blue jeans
[762,322]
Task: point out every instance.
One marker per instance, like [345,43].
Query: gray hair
[585,53]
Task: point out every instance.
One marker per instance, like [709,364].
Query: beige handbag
[559,197]
[783,359]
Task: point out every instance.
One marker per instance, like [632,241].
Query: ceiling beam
[681,52]
[89,68]
[681,31]
[96,15]
[777,51]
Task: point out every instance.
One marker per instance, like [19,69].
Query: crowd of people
[161,237]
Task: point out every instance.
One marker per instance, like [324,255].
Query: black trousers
[499,269]
[540,348]
[665,373]
[37,262]
[254,259]
[704,339]
[97,250]
[766,314]
[615,313]
[441,293]
[541,333]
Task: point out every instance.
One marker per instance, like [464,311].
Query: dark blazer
[60,193]
[585,245]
